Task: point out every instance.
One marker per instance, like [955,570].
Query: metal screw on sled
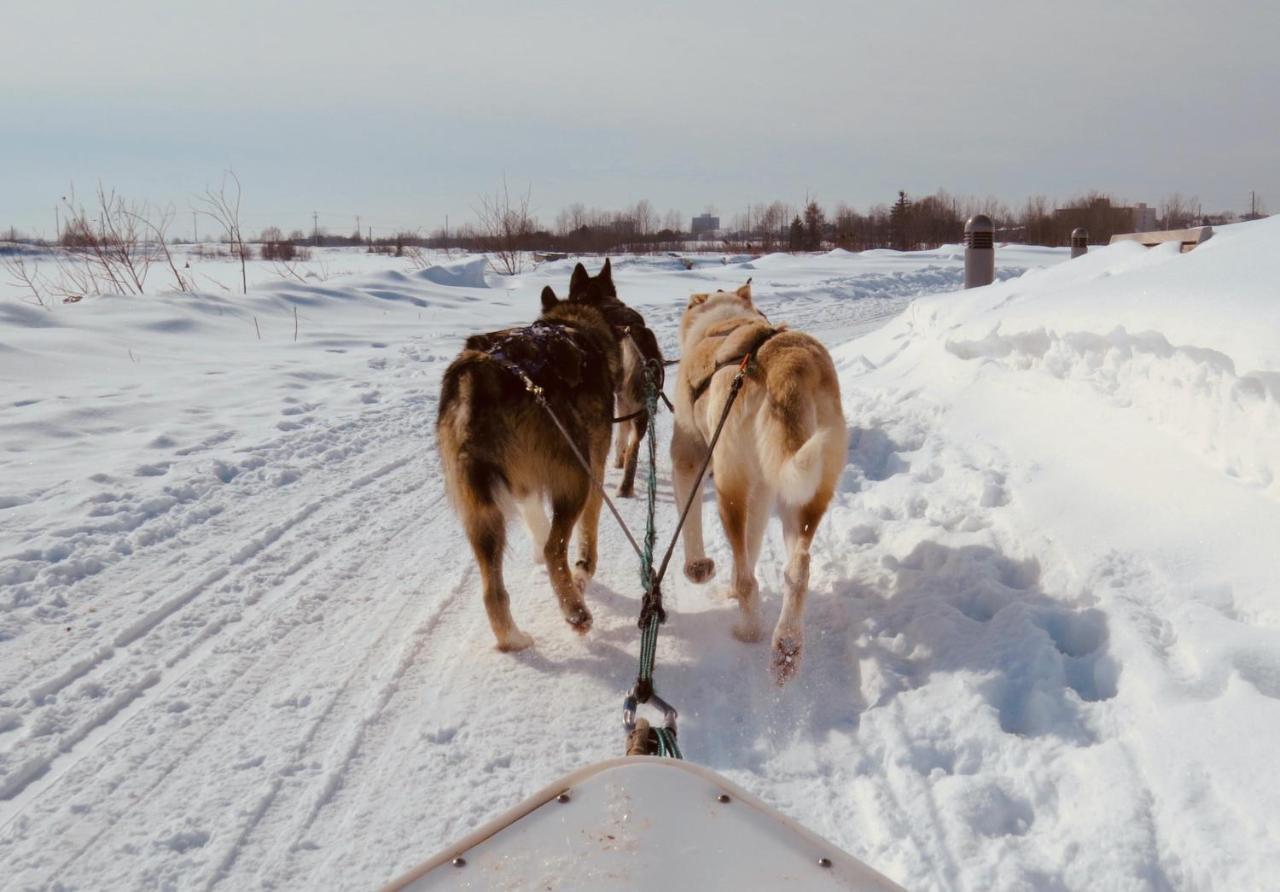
[1079,242]
[979,251]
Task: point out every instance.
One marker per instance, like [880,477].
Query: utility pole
[195,229]
[357,227]
[315,228]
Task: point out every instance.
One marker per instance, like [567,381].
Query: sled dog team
[782,447]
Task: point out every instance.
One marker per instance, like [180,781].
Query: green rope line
[651,613]
[667,746]
[649,639]
[665,737]
[648,648]
[650,530]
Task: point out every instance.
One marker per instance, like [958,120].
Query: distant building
[1103,219]
[1144,218]
[704,223]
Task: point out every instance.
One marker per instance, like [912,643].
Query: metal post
[1079,242]
[979,251]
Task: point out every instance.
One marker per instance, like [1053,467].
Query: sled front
[642,823]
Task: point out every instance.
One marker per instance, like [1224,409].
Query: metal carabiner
[630,704]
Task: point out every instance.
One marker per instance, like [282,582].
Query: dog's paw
[579,619]
[699,571]
[747,630]
[515,641]
[626,492]
[581,576]
[786,658]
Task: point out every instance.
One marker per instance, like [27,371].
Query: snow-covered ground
[241,641]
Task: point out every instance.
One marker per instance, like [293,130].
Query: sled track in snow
[148,663]
[249,594]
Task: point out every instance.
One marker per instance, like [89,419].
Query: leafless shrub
[157,227]
[115,253]
[106,249]
[26,277]
[507,226]
[410,246]
[274,246]
[287,269]
[223,208]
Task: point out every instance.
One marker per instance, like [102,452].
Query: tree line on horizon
[906,224]
[505,224]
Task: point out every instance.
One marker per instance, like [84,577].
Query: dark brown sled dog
[639,350]
[502,454]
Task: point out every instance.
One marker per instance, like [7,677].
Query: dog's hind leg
[565,510]
[589,524]
[687,453]
[624,436]
[799,524]
[634,436]
[744,511]
[487,530]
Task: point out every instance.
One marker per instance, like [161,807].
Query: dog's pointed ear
[744,291]
[605,280]
[578,281]
[695,299]
[549,299]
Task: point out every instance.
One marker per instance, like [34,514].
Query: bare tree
[571,219]
[223,208]
[1177,211]
[506,226]
[815,223]
[1038,227]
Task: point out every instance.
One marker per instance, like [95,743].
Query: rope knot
[651,606]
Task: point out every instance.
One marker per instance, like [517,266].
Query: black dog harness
[534,351]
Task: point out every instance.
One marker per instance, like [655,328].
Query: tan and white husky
[783,447]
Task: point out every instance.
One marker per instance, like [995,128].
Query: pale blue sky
[403,112]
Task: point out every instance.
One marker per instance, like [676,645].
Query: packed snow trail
[242,642]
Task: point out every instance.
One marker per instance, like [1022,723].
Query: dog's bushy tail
[802,440]
[473,477]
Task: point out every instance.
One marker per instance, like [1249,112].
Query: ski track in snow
[260,659]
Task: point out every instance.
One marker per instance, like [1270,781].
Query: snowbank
[468,273]
[1067,483]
